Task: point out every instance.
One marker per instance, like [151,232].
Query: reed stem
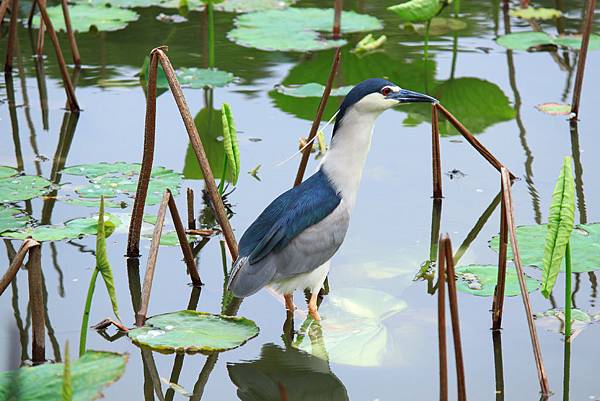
[587,30]
[441,307]
[315,125]
[190,209]
[36,303]
[12,35]
[338,5]
[435,154]
[16,263]
[498,302]
[70,34]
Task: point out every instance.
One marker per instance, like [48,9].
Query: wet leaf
[190,331]
[440,26]
[585,246]
[85,16]
[118,3]
[94,203]
[102,263]
[417,10]
[560,225]
[526,40]
[230,142]
[296,29]
[574,41]
[366,303]
[369,43]
[94,371]
[7,171]
[22,187]
[553,320]
[555,109]
[247,6]
[199,78]
[481,280]
[12,219]
[538,13]
[70,230]
[311,89]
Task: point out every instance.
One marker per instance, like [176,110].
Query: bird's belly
[311,281]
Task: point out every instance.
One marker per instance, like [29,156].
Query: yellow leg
[289,302]
[312,306]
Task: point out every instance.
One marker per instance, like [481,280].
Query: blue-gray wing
[282,221]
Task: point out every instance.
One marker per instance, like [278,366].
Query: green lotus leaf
[95,203]
[417,10]
[585,246]
[91,373]
[481,280]
[553,320]
[22,187]
[247,6]
[199,78]
[296,29]
[440,26]
[118,3]
[365,303]
[311,89]
[7,171]
[97,169]
[524,40]
[190,331]
[70,230]
[85,16]
[574,41]
[12,219]
[535,13]
[555,109]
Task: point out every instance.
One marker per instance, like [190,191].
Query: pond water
[392,357]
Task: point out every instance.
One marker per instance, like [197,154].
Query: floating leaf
[94,203]
[535,13]
[555,109]
[230,142]
[85,16]
[12,219]
[296,29]
[553,320]
[417,10]
[293,369]
[7,171]
[311,89]
[198,78]
[94,371]
[441,26]
[247,6]
[560,225]
[118,3]
[527,40]
[102,263]
[22,187]
[70,230]
[481,280]
[574,41]
[585,246]
[191,331]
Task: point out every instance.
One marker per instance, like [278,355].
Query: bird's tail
[246,279]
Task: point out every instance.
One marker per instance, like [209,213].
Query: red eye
[386,91]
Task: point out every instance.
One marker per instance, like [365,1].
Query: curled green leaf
[102,263]
[230,142]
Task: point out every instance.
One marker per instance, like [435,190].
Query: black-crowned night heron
[290,244]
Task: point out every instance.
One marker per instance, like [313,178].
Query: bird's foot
[314,312]
[289,302]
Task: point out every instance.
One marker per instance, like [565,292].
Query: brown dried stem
[70,34]
[36,303]
[3,9]
[498,302]
[69,89]
[188,257]
[338,5]
[12,35]
[209,179]
[140,317]
[435,153]
[443,352]
[510,223]
[587,30]
[317,120]
[190,209]
[458,355]
[16,263]
[31,14]
[472,140]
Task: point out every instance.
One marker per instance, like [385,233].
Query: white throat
[344,161]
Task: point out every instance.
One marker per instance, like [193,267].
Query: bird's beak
[406,96]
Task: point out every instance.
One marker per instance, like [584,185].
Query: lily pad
[85,16]
[72,229]
[585,246]
[574,41]
[311,89]
[7,171]
[97,169]
[538,13]
[247,6]
[118,3]
[553,320]
[22,187]
[199,78]
[555,109]
[190,331]
[417,10]
[94,371]
[296,29]
[481,280]
[441,26]
[12,219]
[527,40]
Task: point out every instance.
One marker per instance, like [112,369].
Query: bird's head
[375,95]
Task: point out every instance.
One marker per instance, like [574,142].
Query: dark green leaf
[417,10]
[481,280]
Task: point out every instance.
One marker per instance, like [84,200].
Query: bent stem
[86,313]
